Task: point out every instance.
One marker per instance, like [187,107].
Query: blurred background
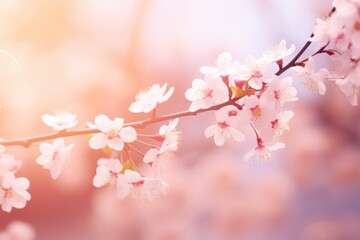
[90,57]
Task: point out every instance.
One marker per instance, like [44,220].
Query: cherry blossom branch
[26,142]
[292,63]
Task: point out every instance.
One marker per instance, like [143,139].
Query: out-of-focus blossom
[13,192]
[140,187]
[8,163]
[314,81]
[53,156]
[340,33]
[148,99]
[350,83]
[18,230]
[279,51]
[206,93]
[60,120]
[112,134]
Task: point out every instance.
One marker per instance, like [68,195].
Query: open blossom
[314,81]
[228,118]
[112,134]
[351,91]
[255,71]
[60,120]
[280,91]
[260,110]
[224,66]
[279,51]
[278,126]
[147,100]
[263,151]
[13,192]
[169,138]
[53,156]
[107,171]
[131,182]
[206,93]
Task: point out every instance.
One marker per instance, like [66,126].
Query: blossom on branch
[313,81]
[60,120]
[147,100]
[229,119]
[206,93]
[169,138]
[280,91]
[225,66]
[279,51]
[112,134]
[53,156]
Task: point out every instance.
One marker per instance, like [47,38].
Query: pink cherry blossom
[278,126]
[227,118]
[280,91]
[112,134]
[60,120]
[53,156]
[159,157]
[147,100]
[8,163]
[351,91]
[169,138]
[263,151]
[107,171]
[255,71]
[131,182]
[279,51]
[314,81]
[13,192]
[206,93]
[260,110]
[224,66]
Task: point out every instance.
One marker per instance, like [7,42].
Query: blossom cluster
[340,32]
[121,168]
[253,97]
[18,230]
